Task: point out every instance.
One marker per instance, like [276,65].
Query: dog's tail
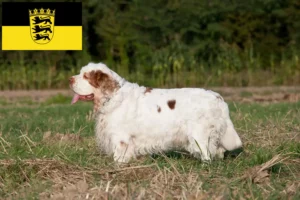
[231,140]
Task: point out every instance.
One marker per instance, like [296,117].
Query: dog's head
[95,82]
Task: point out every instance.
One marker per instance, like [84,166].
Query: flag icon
[41,26]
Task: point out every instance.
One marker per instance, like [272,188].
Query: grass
[48,150]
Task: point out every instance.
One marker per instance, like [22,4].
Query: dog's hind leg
[231,140]
[204,137]
[198,142]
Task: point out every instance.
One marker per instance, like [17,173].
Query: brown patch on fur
[104,84]
[97,101]
[148,89]
[132,136]
[122,143]
[85,76]
[171,104]
[158,109]
[219,97]
[71,80]
[101,80]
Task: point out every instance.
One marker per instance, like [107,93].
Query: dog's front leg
[123,152]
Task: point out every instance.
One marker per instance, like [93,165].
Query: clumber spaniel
[133,120]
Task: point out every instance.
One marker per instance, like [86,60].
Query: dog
[133,120]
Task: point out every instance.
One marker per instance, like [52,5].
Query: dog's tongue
[75,98]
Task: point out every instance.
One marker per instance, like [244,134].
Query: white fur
[129,124]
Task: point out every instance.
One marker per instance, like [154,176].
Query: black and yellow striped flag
[41,26]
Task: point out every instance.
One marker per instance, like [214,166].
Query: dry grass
[74,182]
[260,174]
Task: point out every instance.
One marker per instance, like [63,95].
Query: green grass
[32,166]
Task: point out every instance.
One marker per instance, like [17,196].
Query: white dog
[133,120]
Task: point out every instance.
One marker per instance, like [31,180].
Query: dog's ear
[96,77]
[103,81]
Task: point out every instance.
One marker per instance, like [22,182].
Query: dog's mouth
[77,97]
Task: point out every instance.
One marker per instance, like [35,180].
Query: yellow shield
[41,25]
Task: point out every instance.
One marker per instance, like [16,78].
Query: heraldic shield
[42,25]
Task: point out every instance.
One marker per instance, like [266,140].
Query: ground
[47,151]
[240,94]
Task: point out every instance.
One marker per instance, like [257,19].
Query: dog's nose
[71,80]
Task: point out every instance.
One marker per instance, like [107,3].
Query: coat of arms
[41,25]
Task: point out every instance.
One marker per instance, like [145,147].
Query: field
[47,150]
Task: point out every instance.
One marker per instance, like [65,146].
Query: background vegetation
[170,43]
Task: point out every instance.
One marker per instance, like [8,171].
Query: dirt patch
[238,94]
[68,191]
[260,94]
[34,95]
[268,98]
